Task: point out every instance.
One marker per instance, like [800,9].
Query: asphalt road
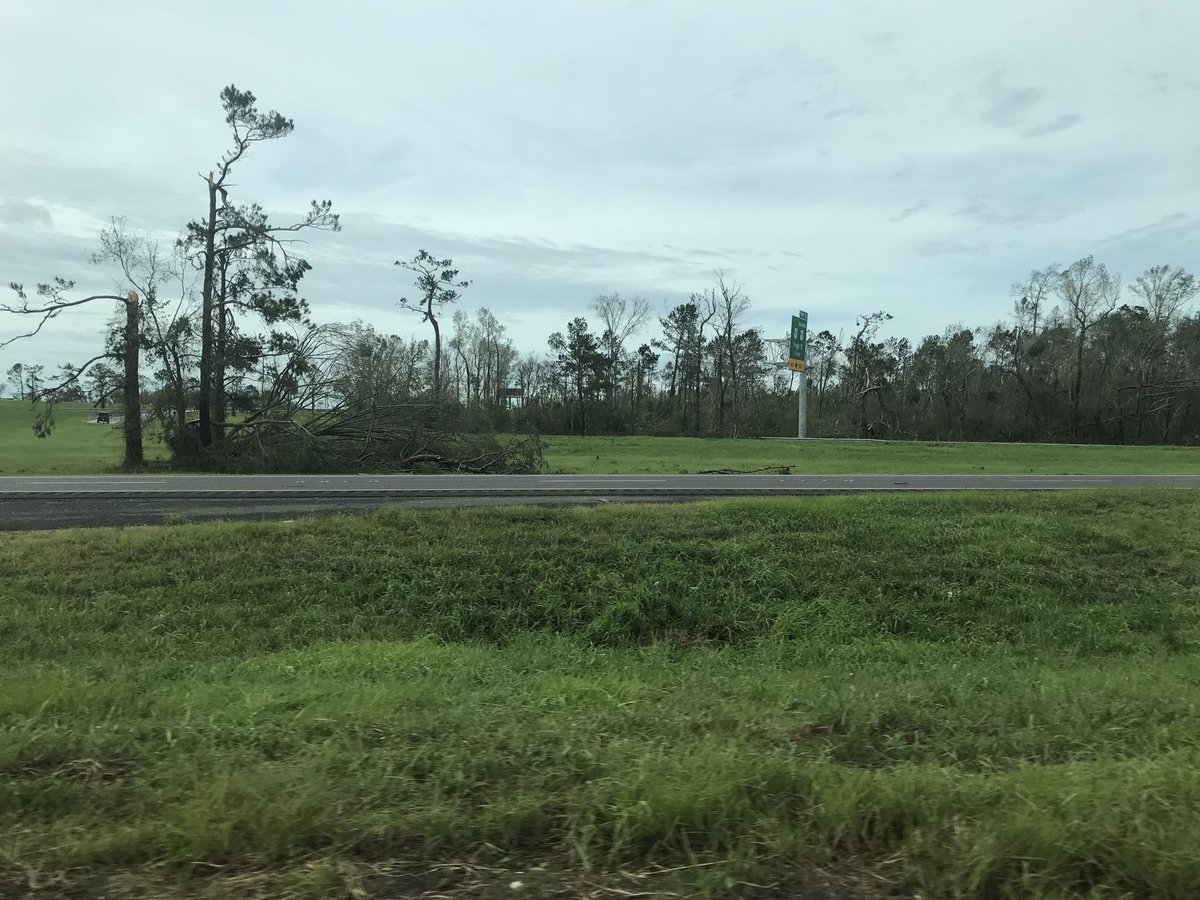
[60,501]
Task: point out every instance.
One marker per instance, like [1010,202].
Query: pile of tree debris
[421,436]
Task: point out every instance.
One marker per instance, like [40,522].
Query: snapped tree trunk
[220,413]
[134,457]
[437,352]
[206,315]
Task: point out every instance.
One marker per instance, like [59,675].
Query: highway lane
[64,501]
[445,485]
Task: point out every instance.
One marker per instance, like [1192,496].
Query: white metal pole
[802,406]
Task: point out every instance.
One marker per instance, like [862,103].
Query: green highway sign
[798,348]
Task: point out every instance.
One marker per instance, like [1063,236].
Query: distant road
[68,501]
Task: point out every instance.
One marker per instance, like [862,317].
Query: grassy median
[80,447]
[77,446]
[657,455]
[944,695]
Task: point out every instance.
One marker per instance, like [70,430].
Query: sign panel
[795,365]
[798,346]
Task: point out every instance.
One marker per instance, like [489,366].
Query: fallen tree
[304,419]
[417,436]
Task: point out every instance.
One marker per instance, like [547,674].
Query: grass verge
[988,695]
[79,447]
[657,455]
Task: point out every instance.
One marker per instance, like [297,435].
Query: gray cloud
[909,211]
[20,212]
[944,247]
[1176,224]
[1006,105]
[1017,107]
[855,110]
[1053,126]
[1015,210]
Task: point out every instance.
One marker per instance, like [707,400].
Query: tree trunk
[181,415]
[582,407]
[735,393]
[1078,389]
[180,395]
[719,372]
[206,314]
[437,352]
[134,457]
[220,353]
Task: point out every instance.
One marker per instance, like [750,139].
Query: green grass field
[80,448]
[935,696]
[628,455]
[77,446]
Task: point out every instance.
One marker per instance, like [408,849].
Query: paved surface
[61,501]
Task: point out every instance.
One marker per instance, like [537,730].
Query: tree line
[1082,358]
[213,334]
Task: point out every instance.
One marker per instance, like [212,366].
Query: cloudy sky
[916,157]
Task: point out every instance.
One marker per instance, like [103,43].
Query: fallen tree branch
[774,470]
[399,437]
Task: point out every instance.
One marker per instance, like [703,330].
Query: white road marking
[602,479]
[112,484]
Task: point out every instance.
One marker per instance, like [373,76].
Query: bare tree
[1032,296]
[483,357]
[730,306]
[824,351]
[166,324]
[706,302]
[1090,294]
[864,359]
[1165,291]
[621,319]
[438,282]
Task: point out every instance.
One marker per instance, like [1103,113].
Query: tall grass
[959,696]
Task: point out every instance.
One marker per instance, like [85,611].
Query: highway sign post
[797,362]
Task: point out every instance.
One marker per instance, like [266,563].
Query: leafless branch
[49,311]
[76,374]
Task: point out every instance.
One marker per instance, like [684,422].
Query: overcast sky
[841,157]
